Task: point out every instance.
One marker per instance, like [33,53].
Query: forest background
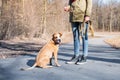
[41,18]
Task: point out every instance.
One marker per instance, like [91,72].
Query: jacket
[79,9]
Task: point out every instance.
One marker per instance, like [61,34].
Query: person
[80,11]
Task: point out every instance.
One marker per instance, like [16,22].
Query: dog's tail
[24,69]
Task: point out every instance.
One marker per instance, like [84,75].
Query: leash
[83,29]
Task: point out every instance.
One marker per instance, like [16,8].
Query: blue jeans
[76,38]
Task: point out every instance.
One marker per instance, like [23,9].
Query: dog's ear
[60,34]
[53,36]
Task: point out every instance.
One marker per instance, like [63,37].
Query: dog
[48,51]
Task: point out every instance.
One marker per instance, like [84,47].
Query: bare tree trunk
[4,19]
[44,16]
[0,7]
[103,24]
[111,15]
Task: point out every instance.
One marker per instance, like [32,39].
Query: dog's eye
[55,37]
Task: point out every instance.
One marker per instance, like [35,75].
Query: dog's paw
[58,65]
[45,67]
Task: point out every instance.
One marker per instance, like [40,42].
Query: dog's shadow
[31,62]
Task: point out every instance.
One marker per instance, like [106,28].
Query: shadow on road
[104,59]
[9,49]
[20,46]
[96,52]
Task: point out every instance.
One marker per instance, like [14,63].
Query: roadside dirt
[114,42]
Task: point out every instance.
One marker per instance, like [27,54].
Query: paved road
[103,64]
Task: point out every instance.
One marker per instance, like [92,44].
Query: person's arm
[67,8]
[88,10]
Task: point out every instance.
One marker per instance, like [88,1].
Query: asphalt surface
[103,64]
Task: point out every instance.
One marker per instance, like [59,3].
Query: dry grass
[114,42]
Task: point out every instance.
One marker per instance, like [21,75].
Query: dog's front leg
[51,60]
[56,58]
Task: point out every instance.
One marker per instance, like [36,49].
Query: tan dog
[45,55]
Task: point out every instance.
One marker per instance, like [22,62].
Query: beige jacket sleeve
[88,8]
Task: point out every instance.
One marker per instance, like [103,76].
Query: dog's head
[56,37]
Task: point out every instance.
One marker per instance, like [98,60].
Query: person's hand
[87,18]
[67,8]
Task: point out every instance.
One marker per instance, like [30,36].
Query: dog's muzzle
[58,41]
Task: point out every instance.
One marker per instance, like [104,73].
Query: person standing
[80,11]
